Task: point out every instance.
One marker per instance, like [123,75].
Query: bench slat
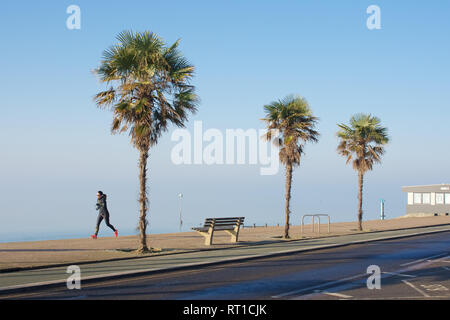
[232,218]
[224,220]
[205,229]
[234,223]
[223,223]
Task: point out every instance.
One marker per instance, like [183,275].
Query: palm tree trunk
[143,201]
[288,198]
[360,199]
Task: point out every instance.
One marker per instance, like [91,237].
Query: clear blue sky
[57,151]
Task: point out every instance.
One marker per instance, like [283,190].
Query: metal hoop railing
[313,221]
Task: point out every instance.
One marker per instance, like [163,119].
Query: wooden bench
[230,225]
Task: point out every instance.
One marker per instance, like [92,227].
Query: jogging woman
[102,214]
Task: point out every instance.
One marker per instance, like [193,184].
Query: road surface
[416,267]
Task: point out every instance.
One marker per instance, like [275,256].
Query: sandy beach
[53,252]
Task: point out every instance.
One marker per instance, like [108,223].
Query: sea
[78,234]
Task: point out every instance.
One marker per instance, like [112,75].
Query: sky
[57,150]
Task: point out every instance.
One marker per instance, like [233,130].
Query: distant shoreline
[49,236]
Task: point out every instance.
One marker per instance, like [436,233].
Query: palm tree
[295,123]
[363,143]
[148,89]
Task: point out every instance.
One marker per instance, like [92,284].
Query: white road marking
[335,294]
[281,295]
[443,259]
[421,260]
[446,268]
[415,288]
[400,274]
[434,287]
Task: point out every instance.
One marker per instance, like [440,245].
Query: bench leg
[208,237]
[234,234]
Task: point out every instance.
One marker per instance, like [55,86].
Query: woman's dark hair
[100,193]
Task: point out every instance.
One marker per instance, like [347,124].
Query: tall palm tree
[148,89]
[295,123]
[363,142]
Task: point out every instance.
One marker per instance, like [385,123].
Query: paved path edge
[130,274]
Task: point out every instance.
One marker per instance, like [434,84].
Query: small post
[318,217]
[180,196]
[382,216]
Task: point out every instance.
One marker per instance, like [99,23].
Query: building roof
[427,188]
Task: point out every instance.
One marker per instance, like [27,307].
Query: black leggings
[100,217]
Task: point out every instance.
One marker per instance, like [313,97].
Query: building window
[426,198]
[439,198]
[410,198]
[417,198]
[447,198]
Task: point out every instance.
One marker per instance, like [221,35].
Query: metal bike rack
[303,220]
[313,221]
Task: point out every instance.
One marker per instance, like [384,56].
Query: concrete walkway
[34,254]
[23,280]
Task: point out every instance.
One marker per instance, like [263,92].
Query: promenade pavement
[21,280]
[32,254]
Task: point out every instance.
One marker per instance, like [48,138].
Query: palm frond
[149,86]
[293,118]
[362,141]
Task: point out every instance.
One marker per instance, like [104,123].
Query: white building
[431,200]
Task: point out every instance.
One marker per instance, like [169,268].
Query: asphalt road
[410,268]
